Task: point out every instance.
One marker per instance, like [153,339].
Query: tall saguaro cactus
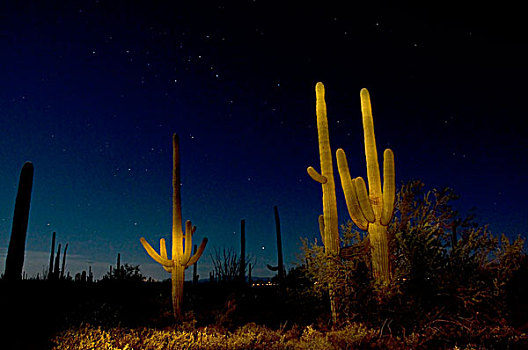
[328,225]
[17,243]
[371,211]
[181,255]
[328,221]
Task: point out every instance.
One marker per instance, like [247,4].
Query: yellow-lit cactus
[181,256]
[328,221]
[371,211]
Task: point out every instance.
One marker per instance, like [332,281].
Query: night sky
[91,92]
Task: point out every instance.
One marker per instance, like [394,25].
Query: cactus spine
[328,221]
[371,211]
[17,243]
[181,256]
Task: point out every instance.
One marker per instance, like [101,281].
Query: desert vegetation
[406,272]
[454,285]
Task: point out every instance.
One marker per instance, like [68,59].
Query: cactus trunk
[280,263]
[52,256]
[177,279]
[181,255]
[17,243]
[63,261]
[57,260]
[380,251]
[118,270]
[371,210]
[328,223]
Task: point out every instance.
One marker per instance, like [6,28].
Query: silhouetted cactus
[56,264]
[280,265]
[118,271]
[195,268]
[181,256]
[52,256]
[63,261]
[242,251]
[17,243]
[90,274]
[55,272]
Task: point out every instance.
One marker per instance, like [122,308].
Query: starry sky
[91,92]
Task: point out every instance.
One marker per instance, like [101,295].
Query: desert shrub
[249,336]
[444,269]
[126,272]
[226,265]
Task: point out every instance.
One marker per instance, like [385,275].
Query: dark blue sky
[91,92]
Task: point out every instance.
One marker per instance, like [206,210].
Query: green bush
[448,274]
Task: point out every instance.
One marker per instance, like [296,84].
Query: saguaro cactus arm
[363,199]
[371,153]
[188,243]
[163,253]
[163,248]
[198,253]
[316,176]
[389,187]
[154,255]
[322,226]
[272,268]
[351,196]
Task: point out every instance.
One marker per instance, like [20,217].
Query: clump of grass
[249,336]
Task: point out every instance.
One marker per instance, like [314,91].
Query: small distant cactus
[242,251]
[280,264]
[57,260]
[55,272]
[196,276]
[52,256]
[63,261]
[17,243]
[181,255]
[118,271]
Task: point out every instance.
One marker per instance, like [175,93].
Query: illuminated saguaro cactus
[328,221]
[181,256]
[371,211]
